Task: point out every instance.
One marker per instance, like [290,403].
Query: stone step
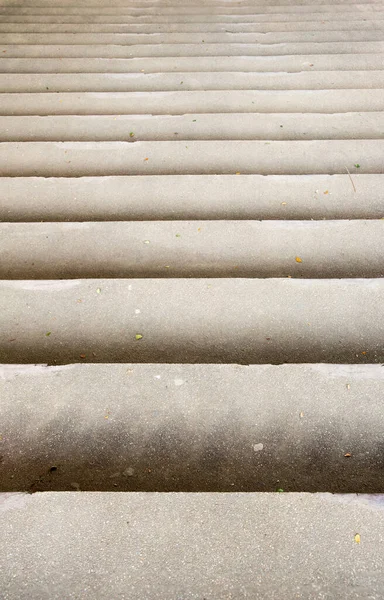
[278,64]
[77,159]
[307,249]
[183,545]
[172,197]
[134,39]
[233,126]
[192,320]
[25,51]
[195,428]
[159,82]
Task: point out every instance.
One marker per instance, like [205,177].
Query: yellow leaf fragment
[298,259]
[357,538]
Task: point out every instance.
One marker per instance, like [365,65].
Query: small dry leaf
[199,228]
[301,415]
[283,204]
[146,242]
[357,538]
[82,355]
[167,267]
[146,159]
[348,386]
[298,259]
[98,291]
[138,336]
[347,455]
[238,173]
[364,352]
[326,192]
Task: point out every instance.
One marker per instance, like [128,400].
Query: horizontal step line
[152,39]
[76,159]
[161,51]
[203,81]
[306,320]
[278,398]
[202,19]
[144,198]
[136,38]
[235,126]
[310,62]
[183,102]
[311,249]
[305,26]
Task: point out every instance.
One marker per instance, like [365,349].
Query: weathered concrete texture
[190,546]
[228,37]
[149,82]
[192,320]
[233,126]
[368,24]
[207,49]
[181,102]
[210,8]
[198,17]
[311,249]
[78,159]
[192,427]
[295,63]
[147,198]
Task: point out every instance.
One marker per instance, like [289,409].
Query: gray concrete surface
[78,159]
[233,126]
[325,249]
[277,64]
[201,197]
[213,546]
[149,82]
[368,24]
[180,102]
[198,17]
[192,320]
[129,39]
[199,49]
[161,427]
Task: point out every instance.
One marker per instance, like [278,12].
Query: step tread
[212,126]
[328,320]
[325,249]
[156,197]
[192,427]
[63,159]
[185,545]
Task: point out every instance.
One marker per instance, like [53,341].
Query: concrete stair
[191,299]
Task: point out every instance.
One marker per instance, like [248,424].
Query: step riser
[232,320]
[77,159]
[86,39]
[193,18]
[187,50]
[304,26]
[155,82]
[195,102]
[228,197]
[192,249]
[309,62]
[235,126]
[193,428]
